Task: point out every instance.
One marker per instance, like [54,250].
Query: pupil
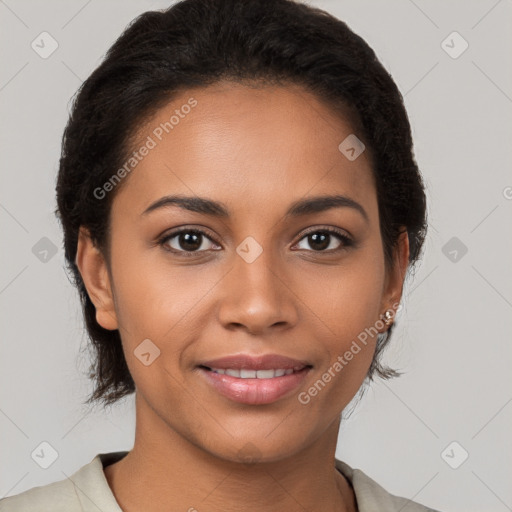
[320,240]
[190,241]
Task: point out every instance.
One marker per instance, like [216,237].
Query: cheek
[347,298]
[348,344]
[155,298]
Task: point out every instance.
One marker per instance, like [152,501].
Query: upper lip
[256,362]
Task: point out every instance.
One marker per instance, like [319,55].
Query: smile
[254,380]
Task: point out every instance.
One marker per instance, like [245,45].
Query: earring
[388,317]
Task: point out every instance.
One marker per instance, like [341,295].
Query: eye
[187,242]
[323,240]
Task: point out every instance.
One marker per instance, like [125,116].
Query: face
[254,276]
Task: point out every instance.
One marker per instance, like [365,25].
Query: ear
[93,268]
[396,275]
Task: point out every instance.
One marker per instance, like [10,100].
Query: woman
[240,205]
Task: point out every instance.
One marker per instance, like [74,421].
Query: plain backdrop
[452,339]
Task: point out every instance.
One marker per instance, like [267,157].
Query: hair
[196,43]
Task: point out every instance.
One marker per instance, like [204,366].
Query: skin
[256,150]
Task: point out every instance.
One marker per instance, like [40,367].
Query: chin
[256,449]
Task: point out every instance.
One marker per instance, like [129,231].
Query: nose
[257,297]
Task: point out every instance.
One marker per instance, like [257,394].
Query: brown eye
[187,241]
[324,240]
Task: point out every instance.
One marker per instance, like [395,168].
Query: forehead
[245,143]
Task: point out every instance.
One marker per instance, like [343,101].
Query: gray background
[453,335]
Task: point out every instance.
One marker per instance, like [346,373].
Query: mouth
[254,380]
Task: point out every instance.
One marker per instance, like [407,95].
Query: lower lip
[255,391]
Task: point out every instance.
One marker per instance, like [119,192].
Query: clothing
[87,490]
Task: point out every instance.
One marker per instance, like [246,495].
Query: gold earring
[388,317]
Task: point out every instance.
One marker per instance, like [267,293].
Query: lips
[254,379]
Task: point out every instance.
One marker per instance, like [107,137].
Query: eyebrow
[220,210]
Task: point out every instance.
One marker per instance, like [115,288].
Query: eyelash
[347,242]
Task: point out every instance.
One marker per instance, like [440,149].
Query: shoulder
[58,496]
[371,497]
[85,490]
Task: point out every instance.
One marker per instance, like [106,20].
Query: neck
[176,474]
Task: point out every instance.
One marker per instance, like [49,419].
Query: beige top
[87,490]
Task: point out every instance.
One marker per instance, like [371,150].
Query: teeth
[266,374]
[253,374]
